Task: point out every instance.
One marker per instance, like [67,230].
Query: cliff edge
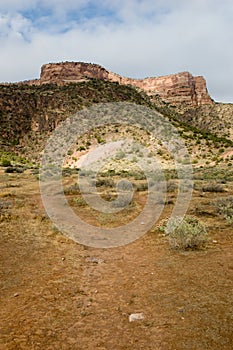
[176,89]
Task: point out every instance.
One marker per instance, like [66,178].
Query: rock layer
[175,89]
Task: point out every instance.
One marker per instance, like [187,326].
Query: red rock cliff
[175,89]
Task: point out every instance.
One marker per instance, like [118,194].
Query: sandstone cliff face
[201,91]
[68,72]
[177,88]
[181,88]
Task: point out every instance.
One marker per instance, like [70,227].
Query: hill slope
[29,111]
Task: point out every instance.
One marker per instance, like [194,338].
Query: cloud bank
[134,38]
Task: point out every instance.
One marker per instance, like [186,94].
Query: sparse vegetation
[79,202]
[105,182]
[72,189]
[121,202]
[225,208]
[141,186]
[6,162]
[171,186]
[213,187]
[188,233]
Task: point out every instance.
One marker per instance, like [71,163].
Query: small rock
[63,259]
[214,241]
[136,317]
[16,295]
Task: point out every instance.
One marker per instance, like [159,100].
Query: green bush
[81,148]
[6,162]
[139,176]
[79,202]
[106,182]
[185,234]
[225,207]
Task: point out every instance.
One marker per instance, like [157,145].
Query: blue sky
[135,38]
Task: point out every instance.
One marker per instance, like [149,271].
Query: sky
[134,38]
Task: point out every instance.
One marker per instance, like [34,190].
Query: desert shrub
[79,202]
[5,213]
[99,139]
[171,186]
[72,189]
[81,148]
[109,172]
[139,176]
[214,174]
[124,173]
[169,201]
[13,169]
[188,233]
[213,187]
[224,207]
[142,186]
[120,155]
[19,169]
[86,172]
[6,162]
[121,202]
[106,182]
[9,169]
[160,152]
[69,171]
[35,171]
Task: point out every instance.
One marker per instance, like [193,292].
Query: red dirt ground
[57,294]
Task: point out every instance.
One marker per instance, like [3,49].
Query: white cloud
[15,27]
[141,38]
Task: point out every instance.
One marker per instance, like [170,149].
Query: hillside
[31,110]
[215,118]
[29,113]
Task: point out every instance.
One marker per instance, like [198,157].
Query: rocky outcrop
[177,89]
[69,72]
[201,91]
[181,88]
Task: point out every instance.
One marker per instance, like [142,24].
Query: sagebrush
[225,208]
[187,233]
